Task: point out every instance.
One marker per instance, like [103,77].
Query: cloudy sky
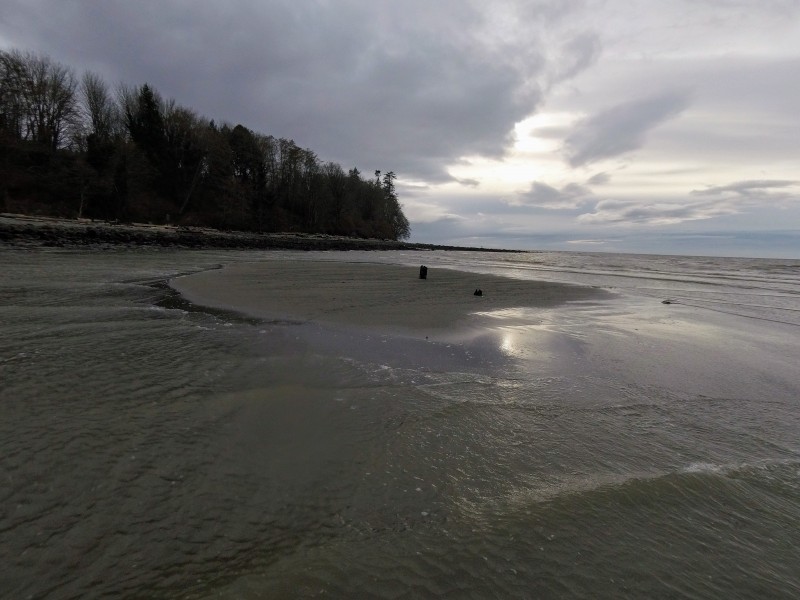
[602,125]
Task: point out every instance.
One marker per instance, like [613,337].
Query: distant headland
[73,147]
[26,231]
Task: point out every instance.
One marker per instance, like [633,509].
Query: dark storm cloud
[542,195]
[469,182]
[748,188]
[599,179]
[621,128]
[406,86]
[577,54]
[655,213]
[741,197]
[550,132]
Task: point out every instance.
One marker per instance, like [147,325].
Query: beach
[370,295]
[220,424]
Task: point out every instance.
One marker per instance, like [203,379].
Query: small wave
[697,479]
[703,467]
[742,314]
[735,469]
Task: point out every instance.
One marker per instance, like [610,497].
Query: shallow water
[608,449]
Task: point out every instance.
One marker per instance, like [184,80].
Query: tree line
[75,147]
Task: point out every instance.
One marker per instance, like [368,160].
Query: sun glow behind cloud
[646,183]
[534,154]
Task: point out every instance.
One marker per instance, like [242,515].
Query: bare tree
[126,98]
[12,91]
[49,100]
[99,108]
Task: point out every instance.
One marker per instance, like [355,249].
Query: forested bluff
[74,147]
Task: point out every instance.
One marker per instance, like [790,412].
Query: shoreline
[40,231]
[384,297]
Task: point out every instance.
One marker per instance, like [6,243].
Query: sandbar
[383,296]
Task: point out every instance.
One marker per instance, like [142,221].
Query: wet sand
[207,456]
[387,297]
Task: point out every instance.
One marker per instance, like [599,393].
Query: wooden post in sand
[423,272]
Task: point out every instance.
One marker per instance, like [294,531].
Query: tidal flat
[304,424]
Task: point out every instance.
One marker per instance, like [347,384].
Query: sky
[584,125]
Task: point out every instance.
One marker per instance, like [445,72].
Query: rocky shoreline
[26,231]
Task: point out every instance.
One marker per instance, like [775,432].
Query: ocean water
[616,448]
